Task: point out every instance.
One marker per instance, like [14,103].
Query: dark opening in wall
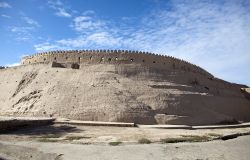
[153,61]
[164,63]
[58,65]
[75,66]
[195,82]
[44,59]
[67,57]
[173,65]
[143,60]
[109,59]
[210,78]
[183,68]
[90,57]
[131,59]
[55,58]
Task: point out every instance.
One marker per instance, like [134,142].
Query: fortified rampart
[114,57]
[120,86]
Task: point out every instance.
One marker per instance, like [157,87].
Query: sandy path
[216,150]
[101,134]
[17,152]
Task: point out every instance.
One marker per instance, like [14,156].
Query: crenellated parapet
[114,57]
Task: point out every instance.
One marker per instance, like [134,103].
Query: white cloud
[93,33]
[24,55]
[74,43]
[208,34]
[31,21]
[21,29]
[5,16]
[45,47]
[95,40]
[213,36]
[83,23]
[103,39]
[88,12]
[5,5]
[60,9]
[62,13]
[12,65]
[22,33]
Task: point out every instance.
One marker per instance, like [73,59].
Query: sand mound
[119,86]
[123,93]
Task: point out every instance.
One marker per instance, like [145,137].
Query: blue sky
[214,34]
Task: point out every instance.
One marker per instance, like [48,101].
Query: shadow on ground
[44,130]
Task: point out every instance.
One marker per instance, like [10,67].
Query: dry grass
[51,136]
[214,135]
[115,143]
[71,138]
[47,140]
[186,138]
[144,141]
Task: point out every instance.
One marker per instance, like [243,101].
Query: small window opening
[143,60]
[109,59]
[173,65]
[153,61]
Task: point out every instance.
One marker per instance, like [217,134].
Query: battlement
[114,57]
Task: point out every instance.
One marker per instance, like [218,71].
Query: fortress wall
[116,57]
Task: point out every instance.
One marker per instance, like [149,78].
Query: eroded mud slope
[124,93]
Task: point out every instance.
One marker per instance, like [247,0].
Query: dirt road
[215,150]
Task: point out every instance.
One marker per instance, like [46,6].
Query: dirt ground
[98,142]
[100,134]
